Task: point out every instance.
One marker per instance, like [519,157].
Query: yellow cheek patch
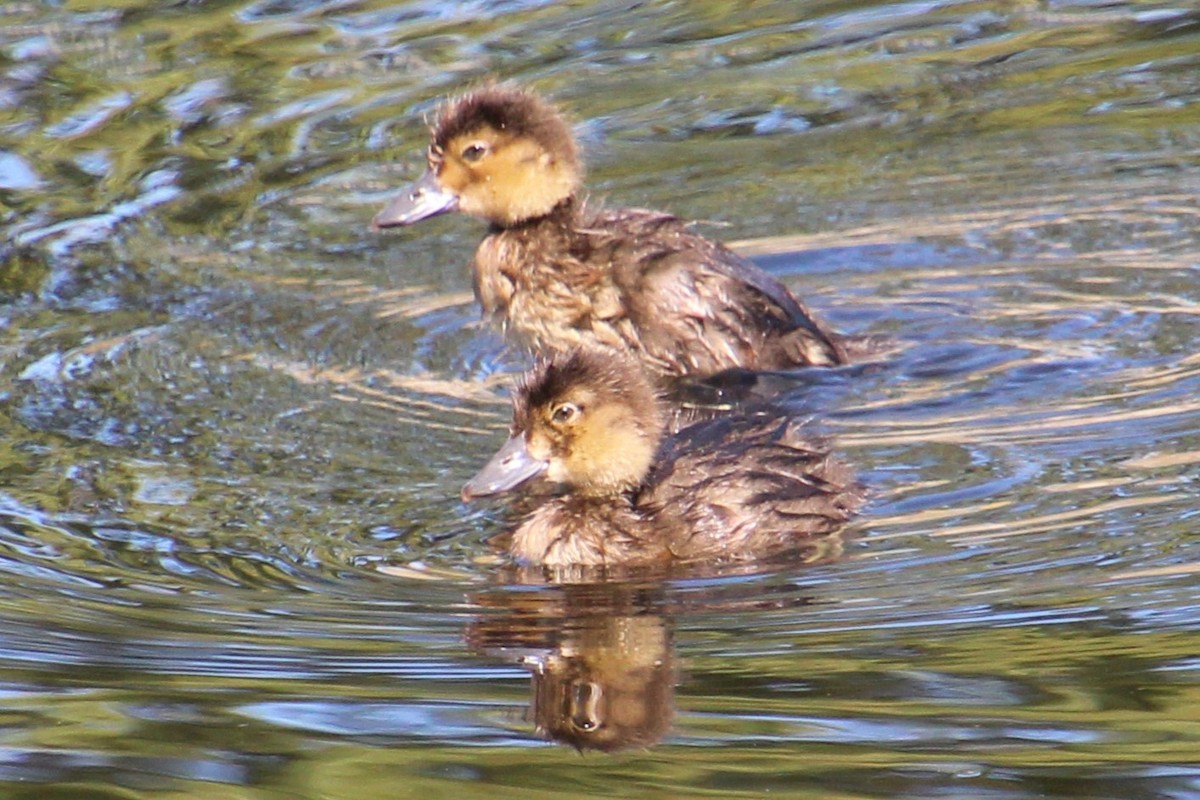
[454,177]
[610,452]
[540,446]
[515,180]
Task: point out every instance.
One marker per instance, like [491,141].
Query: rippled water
[235,421]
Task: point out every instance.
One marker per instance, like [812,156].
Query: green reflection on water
[256,400]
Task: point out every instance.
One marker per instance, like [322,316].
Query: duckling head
[500,153]
[588,420]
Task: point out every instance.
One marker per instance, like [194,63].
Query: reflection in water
[600,657]
[601,653]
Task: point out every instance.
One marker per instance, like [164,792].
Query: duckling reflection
[731,489]
[560,274]
[600,657]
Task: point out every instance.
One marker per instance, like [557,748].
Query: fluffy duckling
[730,489]
[559,274]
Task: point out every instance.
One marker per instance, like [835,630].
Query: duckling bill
[731,489]
[558,273]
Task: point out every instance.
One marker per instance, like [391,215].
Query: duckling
[735,488]
[559,274]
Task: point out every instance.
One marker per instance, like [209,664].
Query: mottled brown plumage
[731,489]
[560,274]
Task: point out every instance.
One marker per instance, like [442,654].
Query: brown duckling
[731,489]
[559,274]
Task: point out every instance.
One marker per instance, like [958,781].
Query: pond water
[235,421]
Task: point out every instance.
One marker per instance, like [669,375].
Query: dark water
[235,421]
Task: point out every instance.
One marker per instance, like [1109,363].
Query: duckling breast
[578,531]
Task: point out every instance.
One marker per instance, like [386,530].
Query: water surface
[235,421]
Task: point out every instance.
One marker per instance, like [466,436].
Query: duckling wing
[701,307]
[747,487]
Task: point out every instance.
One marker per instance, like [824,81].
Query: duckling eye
[474,152]
[564,413]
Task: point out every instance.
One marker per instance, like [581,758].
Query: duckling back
[748,487]
[644,283]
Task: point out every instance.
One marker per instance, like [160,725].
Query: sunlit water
[235,421]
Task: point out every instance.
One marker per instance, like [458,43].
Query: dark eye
[474,152]
[564,413]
